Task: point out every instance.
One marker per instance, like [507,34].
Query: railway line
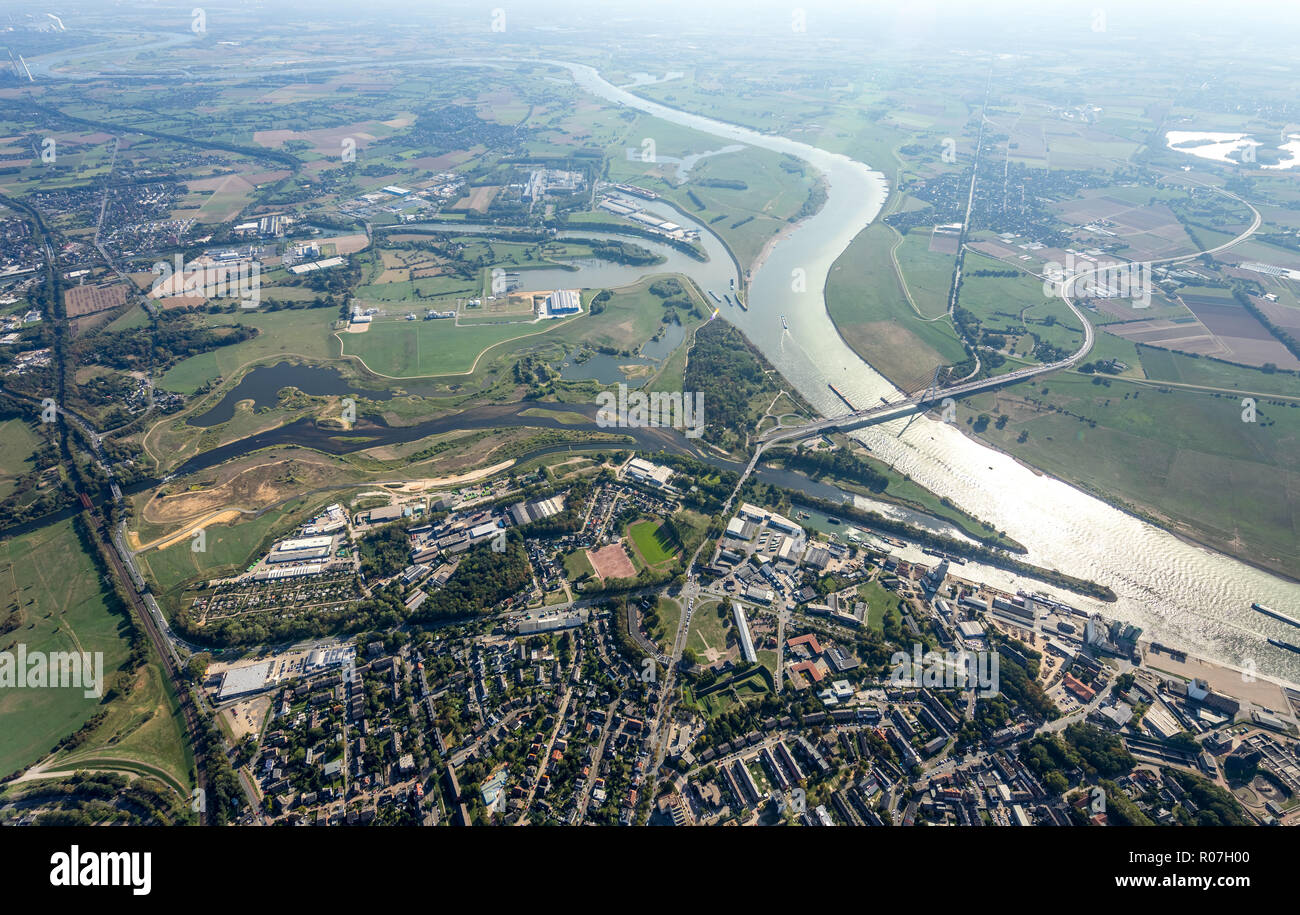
[99,528]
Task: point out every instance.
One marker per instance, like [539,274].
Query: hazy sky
[1061,26]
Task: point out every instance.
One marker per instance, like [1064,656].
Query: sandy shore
[421,485]
[772,242]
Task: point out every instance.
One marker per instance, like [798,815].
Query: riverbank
[877,522]
[924,502]
[1183,531]
[767,249]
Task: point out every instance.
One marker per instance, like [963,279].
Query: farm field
[1149,228]
[1017,306]
[1185,334]
[927,273]
[1166,365]
[18,440]
[1212,323]
[1240,333]
[143,733]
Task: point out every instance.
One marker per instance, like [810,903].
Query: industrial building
[547,622]
[242,681]
[303,543]
[379,515]
[319,265]
[751,512]
[742,628]
[278,556]
[642,471]
[741,529]
[310,568]
[560,304]
[526,512]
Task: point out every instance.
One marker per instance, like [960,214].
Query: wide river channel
[1177,592]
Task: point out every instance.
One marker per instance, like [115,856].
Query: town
[608,415]
[822,678]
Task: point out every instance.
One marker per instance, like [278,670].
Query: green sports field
[651,542]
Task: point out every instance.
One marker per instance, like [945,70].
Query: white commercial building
[241,681]
[304,543]
[742,627]
[736,528]
[561,303]
[310,568]
[483,530]
[547,621]
[299,555]
[651,474]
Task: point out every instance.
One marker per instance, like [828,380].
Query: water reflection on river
[1178,592]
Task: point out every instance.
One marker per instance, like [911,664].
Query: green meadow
[1184,458]
[52,592]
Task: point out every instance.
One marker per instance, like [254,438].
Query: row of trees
[839,464]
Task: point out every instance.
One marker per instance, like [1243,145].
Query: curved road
[894,410]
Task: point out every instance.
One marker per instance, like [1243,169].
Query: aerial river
[1179,593]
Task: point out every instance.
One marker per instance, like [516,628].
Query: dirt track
[612,562]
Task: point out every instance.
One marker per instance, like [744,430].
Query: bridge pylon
[931,389]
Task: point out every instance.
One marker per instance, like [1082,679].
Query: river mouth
[307,433]
[1179,593]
